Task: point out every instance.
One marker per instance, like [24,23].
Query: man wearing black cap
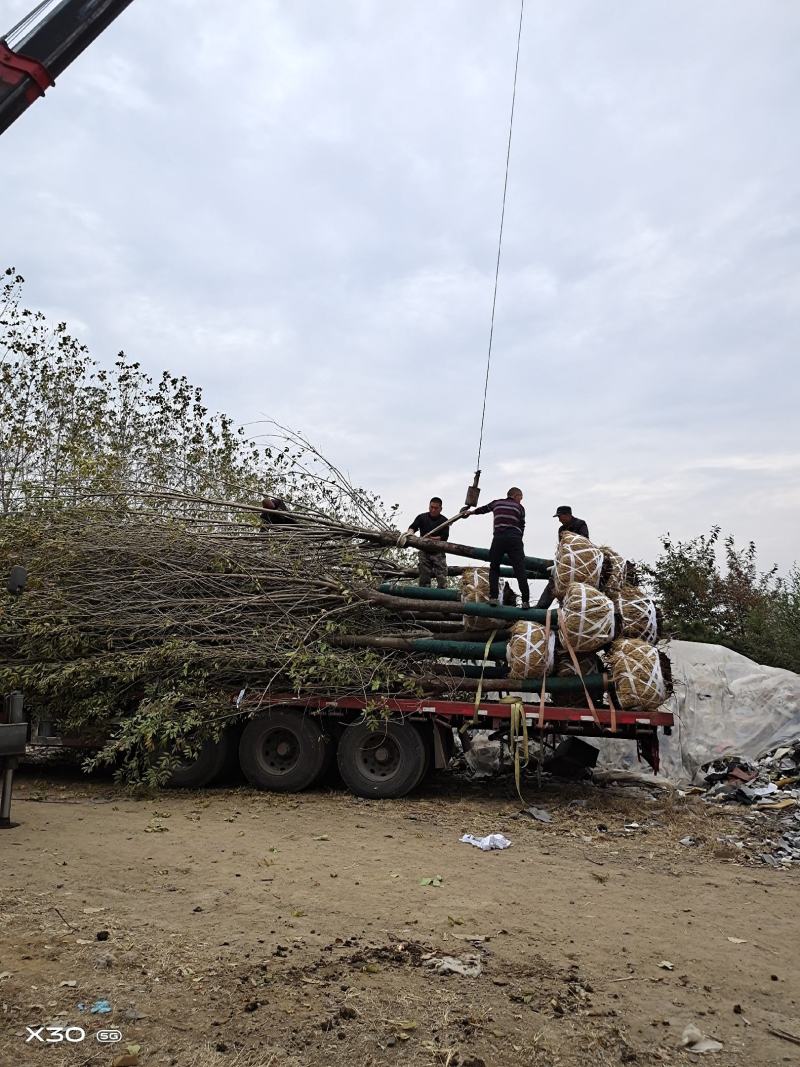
[569,524]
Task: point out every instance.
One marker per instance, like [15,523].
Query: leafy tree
[93,462]
[69,428]
[775,634]
[710,590]
[72,431]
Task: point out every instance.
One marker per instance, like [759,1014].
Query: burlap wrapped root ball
[475,590]
[577,560]
[612,576]
[587,617]
[530,650]
[636,673]
[638,613]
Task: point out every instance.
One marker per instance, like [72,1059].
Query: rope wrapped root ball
[638,613]
[587,617]
[636,673]
[612,575]
[475,590]
[577,560]
[530,650]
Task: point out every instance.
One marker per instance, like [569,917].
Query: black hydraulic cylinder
[55,41]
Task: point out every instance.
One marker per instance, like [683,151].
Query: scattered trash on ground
[483,758]
[100,1007]
[486,844]
[539,814]
[435,881]
[693,1040]
[467,966]
[768,783]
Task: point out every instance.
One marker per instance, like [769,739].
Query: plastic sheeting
[724,704]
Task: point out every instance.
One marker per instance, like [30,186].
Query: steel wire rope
[500,238]
[29,20]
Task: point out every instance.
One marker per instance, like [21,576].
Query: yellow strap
[479,691]
[517,719]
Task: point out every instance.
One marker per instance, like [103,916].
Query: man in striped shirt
[509,526]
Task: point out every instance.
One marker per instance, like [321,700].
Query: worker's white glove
[465,512]
[402,540]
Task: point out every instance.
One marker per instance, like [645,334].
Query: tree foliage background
[72,431]
[710,590]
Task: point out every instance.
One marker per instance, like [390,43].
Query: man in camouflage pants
[431,564]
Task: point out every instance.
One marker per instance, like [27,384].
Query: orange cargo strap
[544,676]
[611,704]
[563,634]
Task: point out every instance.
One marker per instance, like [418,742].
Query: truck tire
[387,761]
[283,750]
[213,760]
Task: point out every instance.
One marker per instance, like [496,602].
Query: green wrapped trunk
[448,598]
[535,566]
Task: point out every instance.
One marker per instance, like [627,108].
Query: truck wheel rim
[280,751]
[379,757]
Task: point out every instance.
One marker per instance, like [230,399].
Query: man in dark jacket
[569,524]
[274,513]
[431,564]
[509,526]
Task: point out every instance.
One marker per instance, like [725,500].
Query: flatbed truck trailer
[383,747]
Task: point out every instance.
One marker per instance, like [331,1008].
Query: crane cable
[500,239]
[28,21]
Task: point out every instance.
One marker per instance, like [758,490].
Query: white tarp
[723,704]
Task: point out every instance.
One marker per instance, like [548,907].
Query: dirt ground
[231,927]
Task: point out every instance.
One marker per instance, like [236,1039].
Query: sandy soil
[243,928]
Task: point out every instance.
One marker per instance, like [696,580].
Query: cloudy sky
[296,203]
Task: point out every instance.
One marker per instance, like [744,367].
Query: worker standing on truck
[274,513]
[509,527]
[569,524]
[431,564]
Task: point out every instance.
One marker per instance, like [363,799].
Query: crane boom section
[36,51]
